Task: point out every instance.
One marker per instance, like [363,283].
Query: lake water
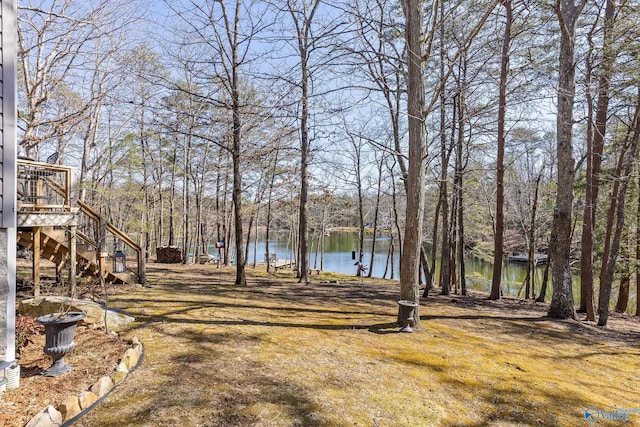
[338,258]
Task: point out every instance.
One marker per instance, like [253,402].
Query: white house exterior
[9,370]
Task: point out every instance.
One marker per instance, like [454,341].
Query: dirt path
[281,354]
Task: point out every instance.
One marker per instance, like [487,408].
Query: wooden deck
[57,226]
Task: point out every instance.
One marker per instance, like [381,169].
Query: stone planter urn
[59,330]
[406,310]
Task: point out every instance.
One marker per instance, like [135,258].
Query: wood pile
[169,255]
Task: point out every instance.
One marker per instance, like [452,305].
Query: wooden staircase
[54,247]
[52,223]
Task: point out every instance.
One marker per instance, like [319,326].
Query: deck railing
[100,234]
[43,187]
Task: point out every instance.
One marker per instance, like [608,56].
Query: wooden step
[53,246]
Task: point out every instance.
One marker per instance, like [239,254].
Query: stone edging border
[74,407]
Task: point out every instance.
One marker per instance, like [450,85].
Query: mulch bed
[96,355]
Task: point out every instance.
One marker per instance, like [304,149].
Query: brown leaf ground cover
[278,353]
[96,354]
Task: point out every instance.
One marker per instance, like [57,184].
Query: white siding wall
[8,143]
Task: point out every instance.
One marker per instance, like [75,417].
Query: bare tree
[595,146]
[225,31]
[419,50]
[617,211]
[638,249]
[55,43]
[561,306]
[302,16]
[410,262]
[498,256]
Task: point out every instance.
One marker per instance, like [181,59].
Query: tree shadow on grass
[146,321]
[385,328]
[504,397]
[349,300]
[211,282]
[208,384]
[556,330]
[335,307]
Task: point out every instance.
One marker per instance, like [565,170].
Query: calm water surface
[338,258]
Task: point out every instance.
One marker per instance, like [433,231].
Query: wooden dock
[519,258]
[282,263]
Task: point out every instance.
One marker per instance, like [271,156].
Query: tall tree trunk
[460,166]
[360,266]
[234,37]
[611,216]
[445,252]
[267,236]
[392,251]
[531,236]
[586,242]
[623,295]
[303,225]
[410,261]
[445,272]
[386,266]
[303,260]
[218,205]
[638,251]
[545,281]
[498,248]
[302,19]
[247,243]
[396,221]
[375,217]
[253,219]
[186,207]
[461,257]
[241,279]
[172,199]
[198,224]
[434,245]
[226,215]
[560,245]
[255,241]
[594,160]
[630,155]
[424,266]
[453,235]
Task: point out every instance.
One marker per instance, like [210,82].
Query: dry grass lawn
[278,353]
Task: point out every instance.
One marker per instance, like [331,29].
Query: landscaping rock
[102,386]
[87,398]
[138,352]
[118,376]
[135,343]
[48,417]
[73,406]
[69,408]
[122,367]
[130,358]
[35,307]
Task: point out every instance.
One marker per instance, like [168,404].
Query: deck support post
[72,260]
[35,265]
